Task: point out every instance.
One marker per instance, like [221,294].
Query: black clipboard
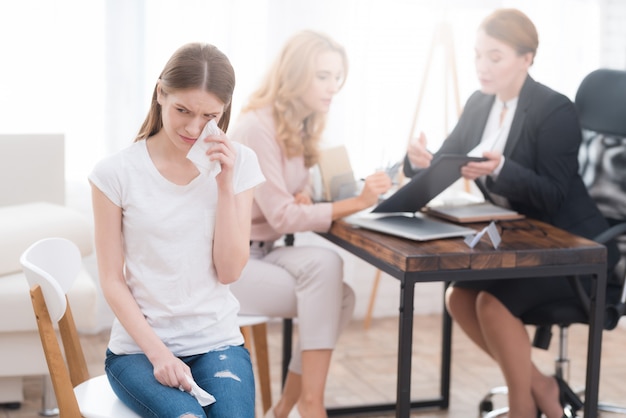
[444,170]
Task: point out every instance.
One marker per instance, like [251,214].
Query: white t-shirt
[168,240]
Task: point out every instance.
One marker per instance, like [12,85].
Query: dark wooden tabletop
[525,243]
[529,248]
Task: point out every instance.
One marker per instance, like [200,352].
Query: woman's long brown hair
[192,66]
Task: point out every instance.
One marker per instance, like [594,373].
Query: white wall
[87,69]
[613,34]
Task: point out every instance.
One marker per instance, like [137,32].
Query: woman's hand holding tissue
[171,371]
[213,154]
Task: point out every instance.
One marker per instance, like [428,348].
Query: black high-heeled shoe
[568,398]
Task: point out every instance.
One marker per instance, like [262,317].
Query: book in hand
[473,212]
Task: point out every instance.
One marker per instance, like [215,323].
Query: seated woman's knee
[458,300]
[487,304]
[325,259]
[349,297]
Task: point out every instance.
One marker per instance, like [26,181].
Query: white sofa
[32,206]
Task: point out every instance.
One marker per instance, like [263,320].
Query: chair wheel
[11,405]
[486,406]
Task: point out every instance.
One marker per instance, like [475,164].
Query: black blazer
[540,174]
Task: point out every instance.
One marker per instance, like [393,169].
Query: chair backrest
[601,104]
[51,266]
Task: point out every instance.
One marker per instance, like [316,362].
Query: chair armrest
[611,233]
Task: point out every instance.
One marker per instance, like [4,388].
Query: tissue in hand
[204,398]
[197,153]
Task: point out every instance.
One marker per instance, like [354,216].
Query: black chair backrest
[601,102]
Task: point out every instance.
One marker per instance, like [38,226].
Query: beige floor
[363,369]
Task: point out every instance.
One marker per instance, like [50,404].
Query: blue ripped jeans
[225,373]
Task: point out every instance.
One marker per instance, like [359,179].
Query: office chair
[601,104]
[51,266]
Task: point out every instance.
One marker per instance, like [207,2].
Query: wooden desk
[534,250]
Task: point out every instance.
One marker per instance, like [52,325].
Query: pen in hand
[391,171]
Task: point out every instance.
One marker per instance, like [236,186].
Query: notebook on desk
[474,212]
[399,214]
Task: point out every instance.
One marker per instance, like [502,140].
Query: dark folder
[427,184]
[412,197]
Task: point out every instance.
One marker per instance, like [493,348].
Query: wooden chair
[51,266]
[254,330]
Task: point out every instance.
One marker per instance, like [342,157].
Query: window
[87,69]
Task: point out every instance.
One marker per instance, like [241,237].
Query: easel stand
[444,40]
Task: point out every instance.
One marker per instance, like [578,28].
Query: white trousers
[303,282]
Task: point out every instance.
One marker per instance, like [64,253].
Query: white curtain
[87,69]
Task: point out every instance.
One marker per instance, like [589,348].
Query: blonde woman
[283,123]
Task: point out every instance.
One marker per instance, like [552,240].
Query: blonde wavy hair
[287,80]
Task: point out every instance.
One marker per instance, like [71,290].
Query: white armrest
[22,225]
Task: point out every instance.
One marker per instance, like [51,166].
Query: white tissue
[197,153]
[204,398]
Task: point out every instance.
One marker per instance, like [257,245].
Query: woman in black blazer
[530,136]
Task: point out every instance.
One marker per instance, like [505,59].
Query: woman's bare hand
[375,185]
[418,155]
[171,371]
[302,199]
[474,169]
